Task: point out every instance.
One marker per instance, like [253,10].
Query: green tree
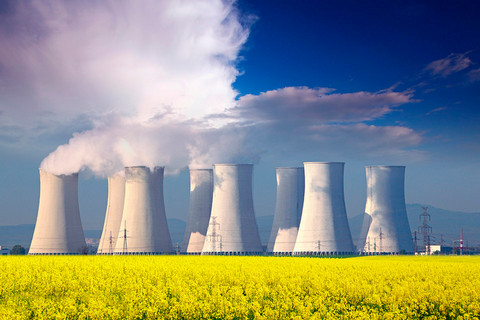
[17,249]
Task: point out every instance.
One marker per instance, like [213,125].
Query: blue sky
[380,82]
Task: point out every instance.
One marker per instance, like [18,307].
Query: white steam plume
[151,71]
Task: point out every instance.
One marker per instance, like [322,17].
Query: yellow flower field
[216,287]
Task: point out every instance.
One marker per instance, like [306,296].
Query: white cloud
[320,105]
[453,63]
[72,57]
[153,69]
[474,75]
[439,109]
[334,142]
[369,139]
[300,122]
[148,84]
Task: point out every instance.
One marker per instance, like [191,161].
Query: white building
[201,193]
[232,228]
[288,210]
[324,226]
[385,227]
[113,215]
[58,229]
[143,229]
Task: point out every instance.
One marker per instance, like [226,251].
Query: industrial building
[288,210]
[200,206]
[4,251]
[143,228]
[113,215]
[309,219]
[324,226]
[232,227]
[385,227]
[58,229]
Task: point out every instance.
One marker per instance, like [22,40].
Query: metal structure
[143,228]
[58,229]
[425,230]
[232,227]
[458,244]
[324,226]
[385,226]
[201,193]
[113,215]
[288,209]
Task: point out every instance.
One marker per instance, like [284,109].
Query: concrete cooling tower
[58,229]
[288,210]
[385,226]
[143,229]
[232,228]
[113,216]
[201,192]
[324,226]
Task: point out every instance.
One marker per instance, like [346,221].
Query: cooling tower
[324,226]
[288,209]
[386,228]
[201,190]
[232,228]
[113,216]
[143,229]
[58,229]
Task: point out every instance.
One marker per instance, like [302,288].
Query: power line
[214,237]
[425,229]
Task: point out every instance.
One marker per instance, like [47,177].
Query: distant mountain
[22,234]
[94,234]
[443,222]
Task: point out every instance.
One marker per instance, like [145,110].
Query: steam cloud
[154,81]
[148,73]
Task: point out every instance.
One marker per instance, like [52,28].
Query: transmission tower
[177,248]
[425,229]
[220,242]
[125,248]
[214,237]
[415,242]
[110,246]
[380,242]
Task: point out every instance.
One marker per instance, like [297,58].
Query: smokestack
[324,225]
[232,228]
[288,209]
[113,216]
[201,191]
[143,229]
[386,228]
[58,229]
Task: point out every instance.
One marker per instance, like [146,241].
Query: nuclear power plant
[385,226]
[324,226]
[58,229]
[288,210]
[232,228]
[201,193]
[113,216]
[143,228]
[309,219]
